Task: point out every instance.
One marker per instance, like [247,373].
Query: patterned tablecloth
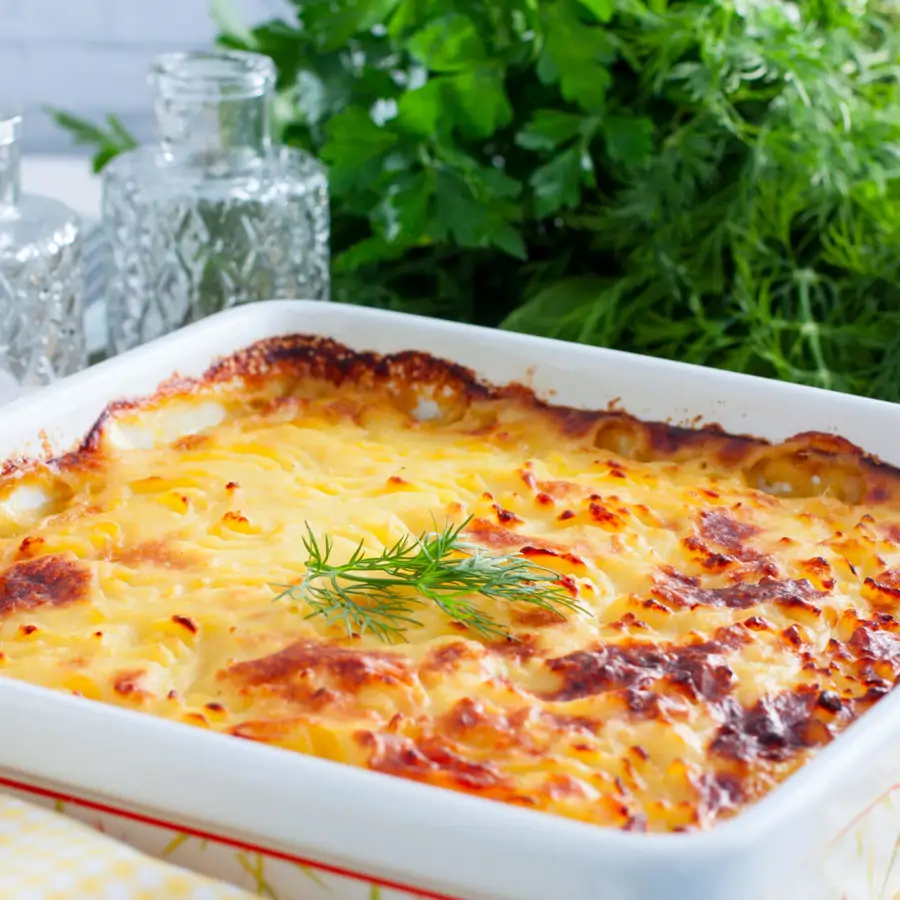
[46,856]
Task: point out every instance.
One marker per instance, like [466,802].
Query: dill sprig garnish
[380,593]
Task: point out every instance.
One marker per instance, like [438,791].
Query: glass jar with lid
[214,214]
[41,320]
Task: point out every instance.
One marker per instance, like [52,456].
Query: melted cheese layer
[741,597]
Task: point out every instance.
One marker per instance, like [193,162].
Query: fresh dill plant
[380,593]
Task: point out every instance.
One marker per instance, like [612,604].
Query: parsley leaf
[479,101]
[577,56]
[448,44]
[548,128]
[355,148]
[558,183]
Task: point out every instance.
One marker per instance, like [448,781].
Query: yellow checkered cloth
[47,856]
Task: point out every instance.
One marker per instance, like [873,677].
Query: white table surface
[65,178]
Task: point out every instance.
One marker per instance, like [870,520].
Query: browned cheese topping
[741,599]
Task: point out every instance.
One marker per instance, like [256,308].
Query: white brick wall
[90,57]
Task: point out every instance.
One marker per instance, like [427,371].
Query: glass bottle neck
[213,110]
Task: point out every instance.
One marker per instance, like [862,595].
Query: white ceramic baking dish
[298,827]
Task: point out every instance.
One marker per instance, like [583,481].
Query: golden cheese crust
[742,597]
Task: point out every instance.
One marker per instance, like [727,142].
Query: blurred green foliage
[716,181]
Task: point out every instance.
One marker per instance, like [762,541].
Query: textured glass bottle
[213,216]
[41,322]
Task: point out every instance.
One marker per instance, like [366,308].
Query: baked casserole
[697,613]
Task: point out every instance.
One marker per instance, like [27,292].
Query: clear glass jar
[41,321]
[214,215]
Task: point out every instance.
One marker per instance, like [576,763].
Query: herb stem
[379,592]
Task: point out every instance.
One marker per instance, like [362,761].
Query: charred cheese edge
[743,596]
